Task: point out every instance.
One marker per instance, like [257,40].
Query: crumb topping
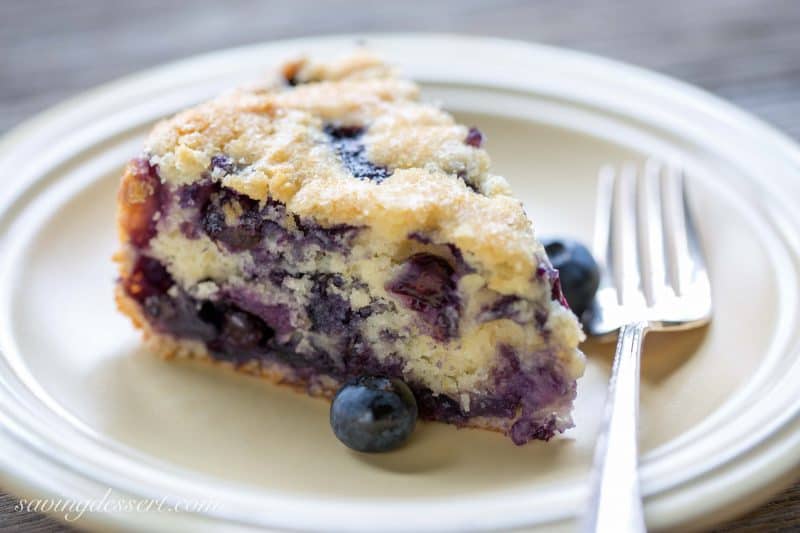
[437,178]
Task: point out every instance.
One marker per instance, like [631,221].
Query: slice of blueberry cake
[326,225]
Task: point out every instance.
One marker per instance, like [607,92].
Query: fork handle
[615,503]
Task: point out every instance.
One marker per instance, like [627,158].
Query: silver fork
[653,278]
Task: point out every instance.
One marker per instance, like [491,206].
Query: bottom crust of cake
[169,347]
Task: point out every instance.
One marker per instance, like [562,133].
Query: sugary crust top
[274,133]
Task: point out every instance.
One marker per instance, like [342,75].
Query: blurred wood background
[746,51]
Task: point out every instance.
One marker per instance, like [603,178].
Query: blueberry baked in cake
[326,225]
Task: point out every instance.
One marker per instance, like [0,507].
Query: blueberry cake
[327,224]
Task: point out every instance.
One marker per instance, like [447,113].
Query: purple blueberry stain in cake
[278,316]
[533,387]
[225,164]
[275,275]
[427,284]
[180,315]
[545,380]
[578,273]
[348,143]
[240,224]
[540,317]
[441,407]
[390,335]
[148,278]
[513,308]
[456,257]
[503,406]
[229,332]
[463,176]
[360,359]
[420,237]
[526,429]
[244,233]
[238,328]
[546,272]
[142,226]
[474,138]
[242,236]
[461,265]
[274,232]
[438,406]
[190,230]
[518,310]
[556,293]
[241,336]
[196,195]
[328,311]
[338,237]
[508,306]
[170,310]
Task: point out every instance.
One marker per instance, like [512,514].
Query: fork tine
[623,236]
[601,246]
[652,265]
[679,260]
[651,233]
[692,237]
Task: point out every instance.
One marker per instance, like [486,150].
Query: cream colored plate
[83,408]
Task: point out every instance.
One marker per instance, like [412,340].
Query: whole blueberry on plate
[373,414]
[577,270]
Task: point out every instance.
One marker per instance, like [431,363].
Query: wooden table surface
[746,51]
